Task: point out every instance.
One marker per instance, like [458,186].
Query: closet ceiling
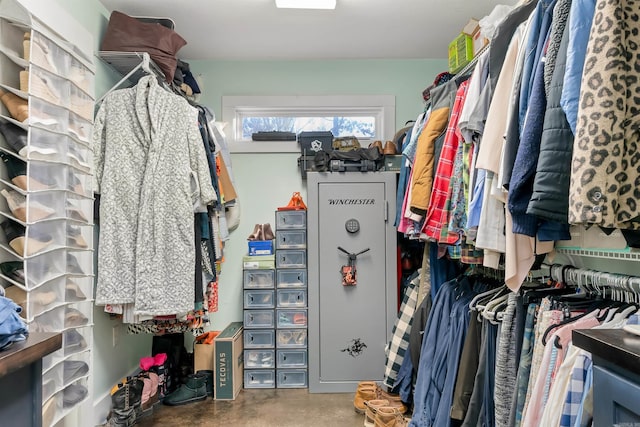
[356,29]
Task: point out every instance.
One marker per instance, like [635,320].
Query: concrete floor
[263,408]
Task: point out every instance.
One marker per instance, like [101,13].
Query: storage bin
[265,378]
[259,319]
[255,279]
[288,318]
[292,298]
[291,258]
[259,338]
[291,358]
[79,262]
[75,367]
[291,220]
[78,288]
[291,378]
[291,278]
[79,235]
[42,176]
[78,314]
[48,321]
[75,393]
[291,338]
[39,238]
[79,209]
[258,298]
[32,207]
[291,239]
[260,359]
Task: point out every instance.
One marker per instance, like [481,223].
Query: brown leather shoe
[378,145]
[389,148]
[18,107]
[394,399]
[371,408]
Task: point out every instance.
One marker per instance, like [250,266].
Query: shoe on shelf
[14,270]
[267,232]
[17,172]
[378,145]
[26,45]
[18,108]
[389,148]
[74,369]
[194,389]
[18,206]
[23,245]
[72,291]
[15,136]
[74,237]
[257,233]
[295,203]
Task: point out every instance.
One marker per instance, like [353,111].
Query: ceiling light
[306,4]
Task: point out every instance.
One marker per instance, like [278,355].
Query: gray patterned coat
[150,170]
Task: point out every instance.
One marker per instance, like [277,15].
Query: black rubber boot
[208,375]
[193,390]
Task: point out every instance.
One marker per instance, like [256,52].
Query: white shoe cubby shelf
[46,208]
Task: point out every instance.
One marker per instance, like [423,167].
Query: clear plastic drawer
[292,378]
[265,378]
[258,338]
[258,279]
[292,298]
[291,258]
[291,219]
[291,278]
[291,239]
[291,338]
[288,318]
[259,359]
[291,359]
[258,298]
[259,319]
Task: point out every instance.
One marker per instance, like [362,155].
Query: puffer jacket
[550,197]
[442,98]
[580,18]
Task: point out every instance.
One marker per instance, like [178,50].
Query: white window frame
[382,107]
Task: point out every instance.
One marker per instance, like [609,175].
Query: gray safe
[350,325]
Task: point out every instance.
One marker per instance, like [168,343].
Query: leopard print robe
[605,172]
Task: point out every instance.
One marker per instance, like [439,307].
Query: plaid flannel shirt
[400,333]
[437,216]
[577,391]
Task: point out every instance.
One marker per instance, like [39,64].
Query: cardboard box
[479,42]
[472,27]
[260,247]
[229,362]
[259,261]
[392,162]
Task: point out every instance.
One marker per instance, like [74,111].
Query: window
[367,117]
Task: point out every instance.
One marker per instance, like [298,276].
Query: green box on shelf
[460,52]
[259,261]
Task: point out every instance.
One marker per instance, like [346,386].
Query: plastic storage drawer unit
[259,319]
[258,299]
[291,239]
[291,219]
[259,338]
[259,359]
[292,378]
[292,298]
[291,338]
[258,279]
[291,318]
[291,258]
[264,378]
[291,359]
[291,278]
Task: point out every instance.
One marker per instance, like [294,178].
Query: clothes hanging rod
[473,61]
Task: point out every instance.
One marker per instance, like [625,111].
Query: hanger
[481,296]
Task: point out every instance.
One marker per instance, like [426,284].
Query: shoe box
[229,362]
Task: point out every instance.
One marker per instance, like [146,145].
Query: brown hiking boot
[394,399]
[390,417]
[362,395]
[371,410]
